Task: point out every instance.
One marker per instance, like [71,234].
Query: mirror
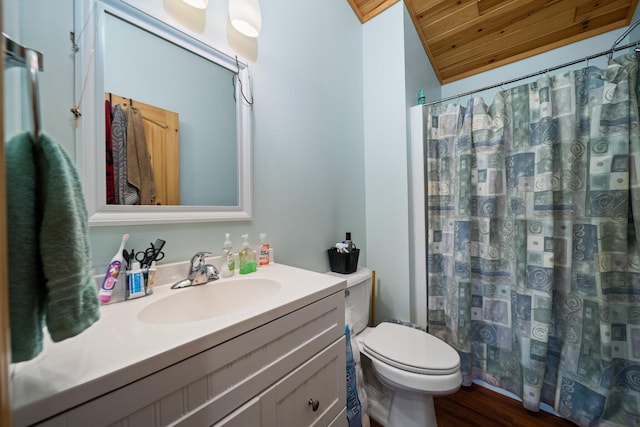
[168,69]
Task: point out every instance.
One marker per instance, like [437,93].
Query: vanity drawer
[287,403]
[204,388]
[319,381]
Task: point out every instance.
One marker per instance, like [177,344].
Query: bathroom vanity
[275,358]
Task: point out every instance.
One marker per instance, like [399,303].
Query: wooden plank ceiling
[466,37]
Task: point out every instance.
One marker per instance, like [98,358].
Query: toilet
[404,367]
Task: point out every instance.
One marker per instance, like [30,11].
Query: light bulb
[246,17]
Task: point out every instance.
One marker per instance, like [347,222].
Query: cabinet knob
[314,404]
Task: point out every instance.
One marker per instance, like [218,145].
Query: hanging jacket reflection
[139,170]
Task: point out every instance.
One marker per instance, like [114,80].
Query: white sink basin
[210,300]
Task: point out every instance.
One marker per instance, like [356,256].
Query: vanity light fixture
[198,4]
[246,17]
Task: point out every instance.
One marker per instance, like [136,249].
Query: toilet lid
[411,350]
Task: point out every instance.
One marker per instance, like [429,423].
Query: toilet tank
[358,298]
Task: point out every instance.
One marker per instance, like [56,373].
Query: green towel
[50,279]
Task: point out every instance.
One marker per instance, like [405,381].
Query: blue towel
[354,408]
[50,279]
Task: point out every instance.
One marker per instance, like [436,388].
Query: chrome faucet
[199,272]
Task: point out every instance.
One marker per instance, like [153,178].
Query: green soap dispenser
[247,257]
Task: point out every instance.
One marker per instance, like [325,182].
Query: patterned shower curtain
[533,257]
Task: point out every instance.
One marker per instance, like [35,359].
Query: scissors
[153,253]
[145,257]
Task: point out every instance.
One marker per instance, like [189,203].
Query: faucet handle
[198,260]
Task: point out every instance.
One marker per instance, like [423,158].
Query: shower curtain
[533,257]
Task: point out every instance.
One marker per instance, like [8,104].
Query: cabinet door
[312,395]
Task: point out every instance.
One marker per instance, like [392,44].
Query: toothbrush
[111,277]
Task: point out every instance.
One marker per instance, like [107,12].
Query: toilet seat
[411,350]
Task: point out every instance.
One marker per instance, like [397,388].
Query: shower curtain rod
[546,70]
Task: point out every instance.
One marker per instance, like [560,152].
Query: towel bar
[16,55]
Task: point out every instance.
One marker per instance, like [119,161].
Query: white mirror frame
[90,135]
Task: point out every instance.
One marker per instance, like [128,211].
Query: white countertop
[119,348]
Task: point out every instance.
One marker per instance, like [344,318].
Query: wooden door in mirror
[163,144]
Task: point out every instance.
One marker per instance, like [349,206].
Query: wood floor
[477,406]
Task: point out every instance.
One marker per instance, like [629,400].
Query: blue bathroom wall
[330,129]
[385,161]
[395,67]
[44,26]
[308,154]
[308,178]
